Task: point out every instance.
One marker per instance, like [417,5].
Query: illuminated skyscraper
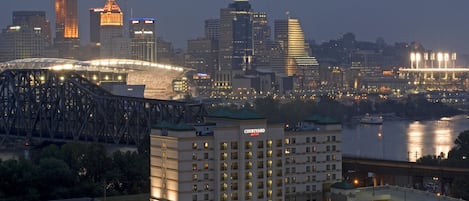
[66,27]
[261,38]
[296,61]
[143,39]
[113,44]
[212,29]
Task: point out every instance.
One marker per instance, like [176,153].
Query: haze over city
[439,25]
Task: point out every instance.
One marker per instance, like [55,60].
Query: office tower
[202,55]
[66,28]
[235,41]
[95,24]
[296,60]
[143,39]
[27,37]
[113,43]
[239,156]
[212,29]
[261,39]
[36,20]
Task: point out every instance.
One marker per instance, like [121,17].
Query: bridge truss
[61,105]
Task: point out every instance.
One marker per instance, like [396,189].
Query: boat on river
[371,119]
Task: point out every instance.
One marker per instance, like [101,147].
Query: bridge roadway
[401,173]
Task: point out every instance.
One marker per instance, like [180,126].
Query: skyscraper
[27,37]
[113,44]
[212,29]
[66,27]
[235,41]
[261,38]
[296,60]
[143,39]
[95,23]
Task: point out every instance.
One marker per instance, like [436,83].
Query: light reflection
[415,141]
[442,138]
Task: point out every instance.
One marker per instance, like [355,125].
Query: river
[403,140]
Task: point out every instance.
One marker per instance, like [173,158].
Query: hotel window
[248,155]
[278,143]
[248,185]
[333,148]
[234,145]
[194,166]
[223,156]
[333,167]
[234,176]
[313,148]
[260,154]
[293,140]
[194,156]
[287,170]
[206,176]
[308,188]
[269,143]
[269,153]
[328,167]
[308,139]
[194,145]
[224,176]
[269,173]
[293,150]
[313,139]
[234,196]
[328,138]
[269,184]
[328,158]
[260,174]
[248,145]
[234,186]
[287,151]
[287,141]
[248,165]
[293,169]
[308,149]
[308,169]
[313,188]
[206,166]
[333,138]
[333,157]
[260,164]
[206,196]
[269,163]
[328,176]
[223,146]
[260,184]
[328,148]
[260,194]
[223,166]
[248,195]
[234,166]
[205,155]
[194,197]
[224,197]
[194,177]
[234,155]
[334,176]
[260,144]
[194,187]
[206,145]
[206,187]
[313,158]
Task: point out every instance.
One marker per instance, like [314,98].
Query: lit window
[194,166]
[194,145]
[206,145]
[194,187]
[206,166]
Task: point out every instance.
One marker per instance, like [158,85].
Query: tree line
[74,170]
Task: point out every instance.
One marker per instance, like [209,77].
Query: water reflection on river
[403,140]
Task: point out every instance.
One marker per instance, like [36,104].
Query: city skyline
[435,24]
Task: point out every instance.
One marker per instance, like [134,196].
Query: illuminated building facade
[241,157]
[295,60]
[113,43]
[66,28]
[27,37]
[143,39]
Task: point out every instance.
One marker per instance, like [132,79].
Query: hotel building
[241,157]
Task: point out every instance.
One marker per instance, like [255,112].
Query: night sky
[437,24]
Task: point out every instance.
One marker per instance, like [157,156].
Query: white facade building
[241,157]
